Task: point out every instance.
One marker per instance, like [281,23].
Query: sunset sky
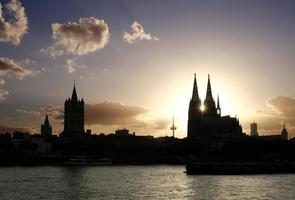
[134,62]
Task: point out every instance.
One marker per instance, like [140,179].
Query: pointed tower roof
[209,91]
[46,122]
[74,94]
[195,95]
[218,105]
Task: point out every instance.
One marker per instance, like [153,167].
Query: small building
[281,136]
[122,132]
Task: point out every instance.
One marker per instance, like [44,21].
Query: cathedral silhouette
[73,116]
[209,123]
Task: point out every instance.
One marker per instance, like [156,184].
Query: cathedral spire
[46,121]
[218,105]
[195,96]
[74,94]
[209,91]
[218,109]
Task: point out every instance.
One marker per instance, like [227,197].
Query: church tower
[209,103]
[284,133]
[46,129]
[209,123]
[74,115]
[194,113]
[218,107]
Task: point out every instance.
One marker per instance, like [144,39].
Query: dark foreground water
[137,182]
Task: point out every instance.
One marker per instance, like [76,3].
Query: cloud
[71,65]
[2,82]
[87,36]
[137,34]
[9,129]
[54,112]
[103,117]
[112,113]
[10,67]
[14,29]
[283,107]
[3,94]
[52,51]
[281,110]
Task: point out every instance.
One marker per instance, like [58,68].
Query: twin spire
[209,91]
[195,96]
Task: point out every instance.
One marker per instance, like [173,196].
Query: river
[137,182]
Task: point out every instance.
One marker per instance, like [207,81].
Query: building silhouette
[253,129]
[46,129]
[73,116]
[280,136]
[284,133]
[209,123]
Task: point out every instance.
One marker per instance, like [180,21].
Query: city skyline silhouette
[129,63]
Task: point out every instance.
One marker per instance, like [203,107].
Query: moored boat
[236,168]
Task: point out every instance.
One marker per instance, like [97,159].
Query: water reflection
[137,182]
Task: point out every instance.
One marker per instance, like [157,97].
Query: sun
[202,108]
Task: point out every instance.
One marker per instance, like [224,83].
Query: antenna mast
[173,128]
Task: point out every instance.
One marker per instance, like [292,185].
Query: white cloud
[71,65]
[87,36]
[52,51]
[14,29]
[137,34]
[3,94]
[10,67]
[2,82]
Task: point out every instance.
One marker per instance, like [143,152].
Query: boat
[83,161]
[239,168]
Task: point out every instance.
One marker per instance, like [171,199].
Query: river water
[137,182]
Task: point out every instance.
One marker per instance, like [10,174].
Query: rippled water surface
[137,182]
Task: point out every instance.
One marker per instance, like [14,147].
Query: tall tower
[218,107]
[253,128]
[284,133]
[74,115]
[194,112]
[173,128]
[46,129]
[209,103]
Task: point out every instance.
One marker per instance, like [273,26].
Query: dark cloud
[14,29]
[87,36]
[112,113]
[138,33]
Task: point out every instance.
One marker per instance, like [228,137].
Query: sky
[133,62]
